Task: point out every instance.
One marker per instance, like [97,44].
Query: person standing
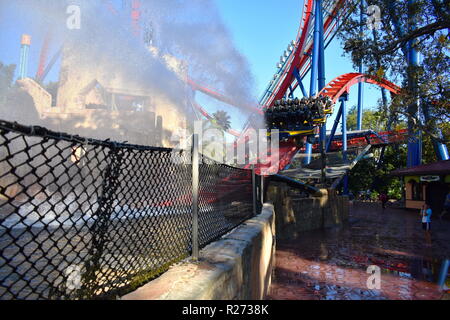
[383,199]
[426,213]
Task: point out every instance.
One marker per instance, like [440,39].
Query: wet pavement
[332,264]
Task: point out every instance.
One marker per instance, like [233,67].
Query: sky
[261,31]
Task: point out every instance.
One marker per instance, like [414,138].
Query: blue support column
[291,93]
[361,70]
[335,125]
[415,141]
[308,153]
[321,64]
[344,100]
[321,45]
[316,58]
[300,82]
[23,66]
[443,273]
[439,147]
[315,54]
[442,151]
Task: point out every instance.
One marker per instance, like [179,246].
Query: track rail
[342,84]
[303,50]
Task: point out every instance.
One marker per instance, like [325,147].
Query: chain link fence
[89,219]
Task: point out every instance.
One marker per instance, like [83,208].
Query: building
[98,98]
[428,183]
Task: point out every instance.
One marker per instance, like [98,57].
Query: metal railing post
[443,273]
[262,191]
[254,190]
[195,187]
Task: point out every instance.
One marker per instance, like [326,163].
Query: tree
[373,174]
[222,119]
[368,175]
[6,80]
[215,146]
[384,52]
[372,119]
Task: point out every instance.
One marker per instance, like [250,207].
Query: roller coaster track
[341,85]
[300,58]
[335,89]
[285,80]
[363,138]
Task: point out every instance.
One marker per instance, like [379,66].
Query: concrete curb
[236,267]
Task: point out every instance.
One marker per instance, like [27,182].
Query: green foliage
[384,52]
[222,120]
[369,175]
[372,119]
[215,148]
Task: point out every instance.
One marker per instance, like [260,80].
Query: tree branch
[426,30]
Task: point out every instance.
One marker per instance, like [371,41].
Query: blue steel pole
[321,65]
[344,99]
[440,148]
[443,273]
[321,82]
[315,54]
[442,151]
[314,68]
[23,62]
[321,46]
[300,82]
[361,70]
[415,143]
[335,125]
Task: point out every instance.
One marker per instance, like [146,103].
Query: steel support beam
[321,84]
[291,93]
[439,147]
[335,126]
[415,141]
[344,99]
[254,190]
[300,82]
[195,194]
[361,69]
[321,66]
[317,68]
[443,273]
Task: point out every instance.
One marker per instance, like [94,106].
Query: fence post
[443,273]
[254,186]
[262,190]
[195,186]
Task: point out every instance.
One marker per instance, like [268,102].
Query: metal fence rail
[88,219]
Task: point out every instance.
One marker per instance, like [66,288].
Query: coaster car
[298,117]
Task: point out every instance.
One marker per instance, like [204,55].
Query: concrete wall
[41,98]
[296,215]
[237,267]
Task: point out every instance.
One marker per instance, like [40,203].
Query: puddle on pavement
[332,265]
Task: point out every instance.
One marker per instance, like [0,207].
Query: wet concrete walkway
[332,264]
